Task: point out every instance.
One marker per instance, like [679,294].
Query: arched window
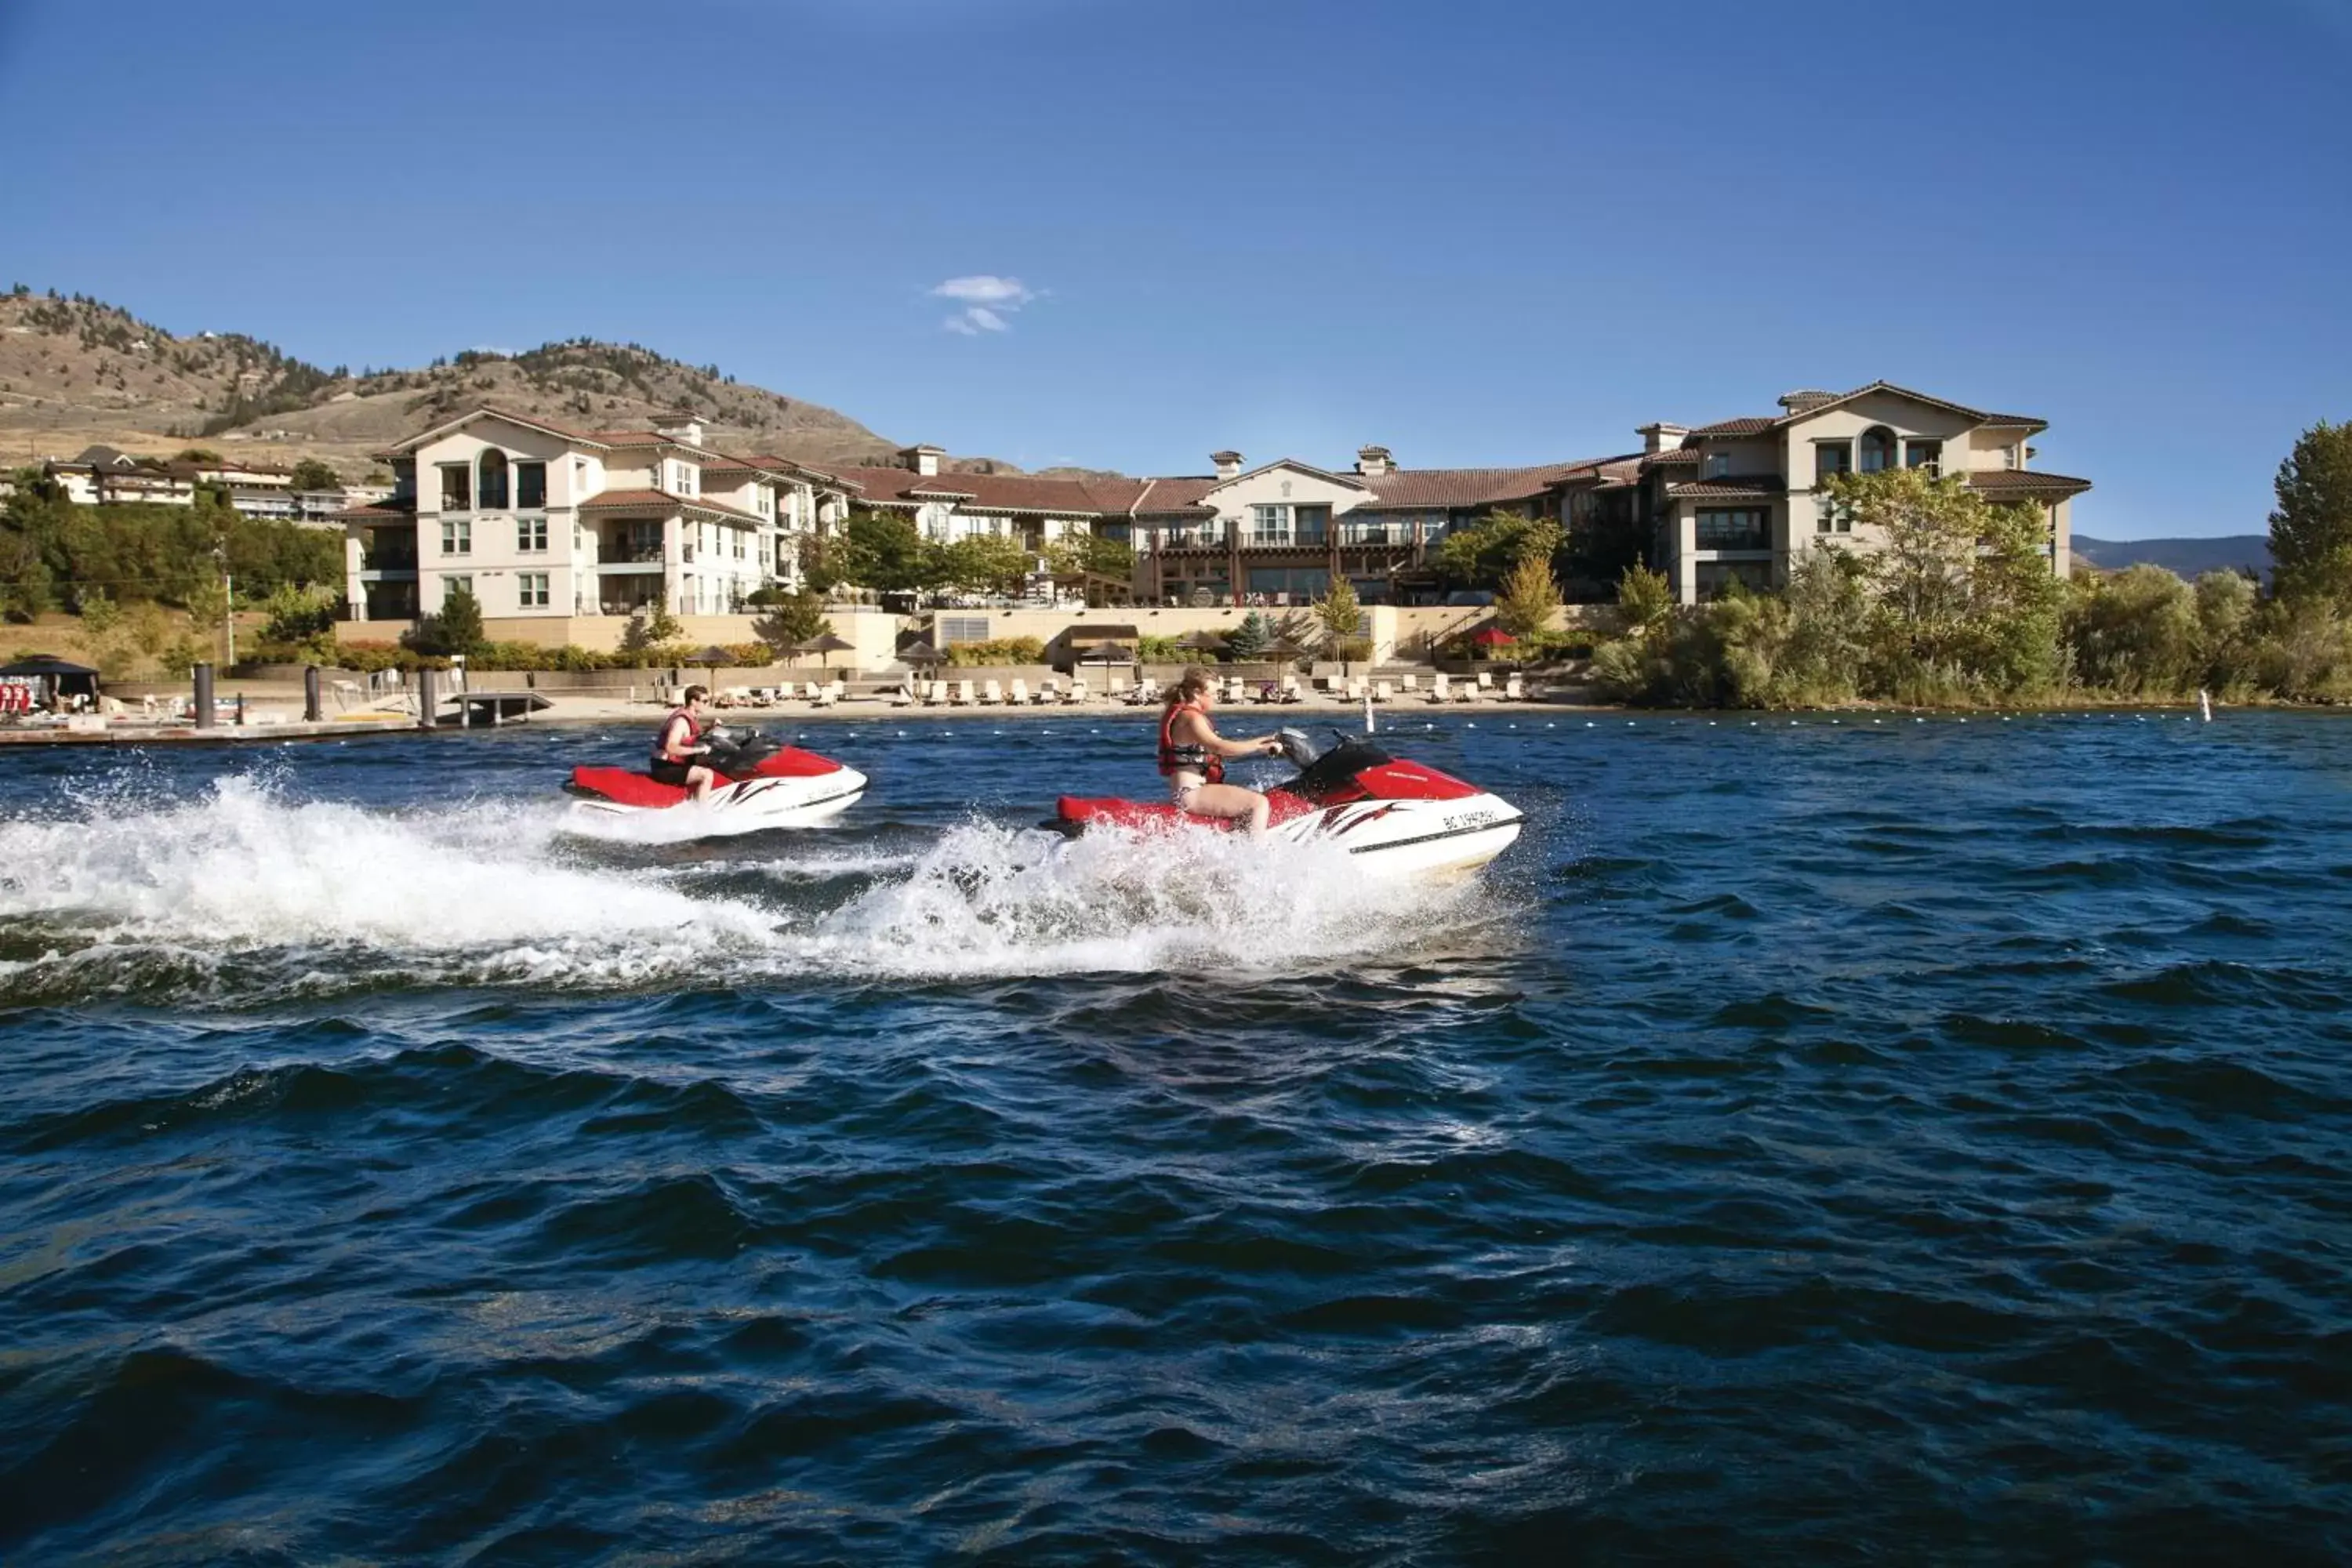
[492,488]
[1878,449]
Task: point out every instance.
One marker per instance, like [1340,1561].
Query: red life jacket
[661,736]
[1191,758]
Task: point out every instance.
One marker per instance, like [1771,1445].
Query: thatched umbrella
[1108,654]
[1203,641]
[920,653]
[825,643]
[714,656]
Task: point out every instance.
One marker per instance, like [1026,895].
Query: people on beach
[1192,756]
[679,742]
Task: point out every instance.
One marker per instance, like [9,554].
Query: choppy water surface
[1814,1142]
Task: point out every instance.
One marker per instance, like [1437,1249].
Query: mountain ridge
[75,370]
[2185,557]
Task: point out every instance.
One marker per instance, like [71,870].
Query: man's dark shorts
[670,772]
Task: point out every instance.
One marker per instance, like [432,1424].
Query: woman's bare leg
[1233,802]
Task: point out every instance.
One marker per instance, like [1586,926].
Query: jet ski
[1399,818]
[762,784]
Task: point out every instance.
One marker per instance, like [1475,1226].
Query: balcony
[403,560]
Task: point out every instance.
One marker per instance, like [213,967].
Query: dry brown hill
[75,370]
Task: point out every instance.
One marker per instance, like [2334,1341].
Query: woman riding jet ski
[1399,818]
[741,780]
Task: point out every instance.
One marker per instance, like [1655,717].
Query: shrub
[998,651]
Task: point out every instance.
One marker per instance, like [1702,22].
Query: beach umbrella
[1108,653]
[1277,652]
[46,664]
[827,643]
[1494,636]
[1203,642]
[713,656]
[921,653]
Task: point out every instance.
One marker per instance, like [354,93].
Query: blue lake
[1813,1143]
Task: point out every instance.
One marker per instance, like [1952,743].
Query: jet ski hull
[786,788]
[1396,818]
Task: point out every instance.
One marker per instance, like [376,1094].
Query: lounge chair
[1515,689]
[1049,689]
[961,695]
[1468,691]
[1078,692]
[902,695]
[991,694]
[1438,685]
[834,692]
[1382,691]
[1410,686]
[1290,692]
[934,694]
[1485,680]
[1147,691]
[1020,698]
[1117,687]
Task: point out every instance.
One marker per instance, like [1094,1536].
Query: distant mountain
[2184,557]
[75,370]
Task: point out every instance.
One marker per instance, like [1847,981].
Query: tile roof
[1755,425]
[1997,483]
[2026,420]
[613,500]
[395,509]
[1678,454]
[1741,487]
[1412,488]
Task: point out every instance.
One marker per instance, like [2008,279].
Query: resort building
[537,521]
[102,476]
[947,507]
[1739,500]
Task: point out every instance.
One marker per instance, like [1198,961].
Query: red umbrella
[1492,636]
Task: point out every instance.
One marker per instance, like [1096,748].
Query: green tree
[1645,601]
[1529,597]
[1829,615]
[458,627]
[311,474]
[652,631]
[2227,603]
[878,549]
[2134,632]
[1481,553]
[984,563]
[98,612]
[1339,612]
[792,618]
[2311,528]
[1249,639]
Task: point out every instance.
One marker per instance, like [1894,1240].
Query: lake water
[1813,1143]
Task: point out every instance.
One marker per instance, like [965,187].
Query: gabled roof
[649,499]
[1759,424]
[423,436]
[392,509]
[1350,481]
[1755,426]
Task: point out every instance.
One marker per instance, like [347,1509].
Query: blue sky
[1475,232]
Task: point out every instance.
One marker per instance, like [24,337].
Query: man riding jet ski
[1402,818]
[741,779]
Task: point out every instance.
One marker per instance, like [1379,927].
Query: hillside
[75,370]
[2183,557]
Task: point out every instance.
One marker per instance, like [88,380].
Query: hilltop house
[1739,500]
[102,476]
[540,520]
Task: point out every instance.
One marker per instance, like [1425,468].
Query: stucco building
[1741,499]
[537,521]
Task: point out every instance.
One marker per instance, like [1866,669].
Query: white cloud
[983,289]
[988,301]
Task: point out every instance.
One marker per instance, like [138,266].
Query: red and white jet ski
[762,784]
[1400,818]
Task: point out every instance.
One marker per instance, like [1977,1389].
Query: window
[453,585]
[1269,525]
[1928,454]
[1832,458]
[1878,449]
[1727,527]
[531,590]
[1715,466]
[1714,577]
[530,486]
[493,489]
[456,488]
[457,536]
[2009,457]
[1830,517]
[530,535]
[963,629]
[687,475]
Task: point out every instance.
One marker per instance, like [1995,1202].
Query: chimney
[1798,402]
[1372,462]
[923,459]
[682,425]
[1660,437]
[1228,463]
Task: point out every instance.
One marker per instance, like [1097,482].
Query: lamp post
[228,603]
